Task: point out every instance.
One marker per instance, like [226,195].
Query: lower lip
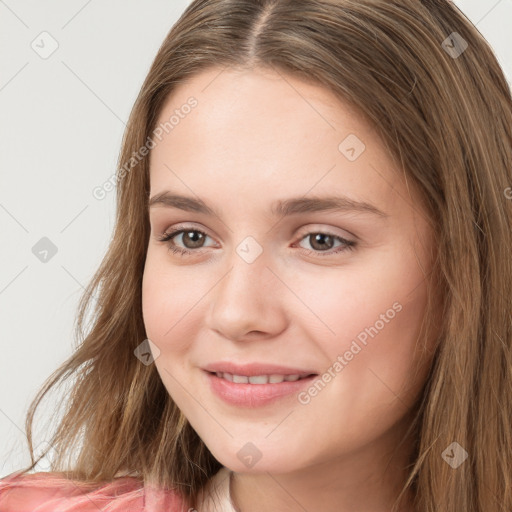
[255,395]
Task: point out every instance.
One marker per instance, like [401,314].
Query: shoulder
[47,492]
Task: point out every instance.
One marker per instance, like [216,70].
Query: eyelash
[168,237]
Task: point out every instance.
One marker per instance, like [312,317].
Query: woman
[306,301]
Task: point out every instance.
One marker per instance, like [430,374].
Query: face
[338,292]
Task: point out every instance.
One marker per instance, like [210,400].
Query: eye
[322,242]
[194,238]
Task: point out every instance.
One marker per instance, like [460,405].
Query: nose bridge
[245,300]
[247,277]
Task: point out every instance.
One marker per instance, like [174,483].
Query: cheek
[372,319]
[151,294]
[173,301]
[388,369]
[164,303]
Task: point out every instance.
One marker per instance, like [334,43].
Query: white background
[61,125]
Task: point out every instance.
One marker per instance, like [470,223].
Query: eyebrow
[283,208]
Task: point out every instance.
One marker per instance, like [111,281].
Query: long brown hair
[429,83]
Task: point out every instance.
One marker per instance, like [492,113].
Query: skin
[255,137]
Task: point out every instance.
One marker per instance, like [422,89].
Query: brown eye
[194,238]
[321,243]
[191,239]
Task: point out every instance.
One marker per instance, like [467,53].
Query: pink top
[52,492]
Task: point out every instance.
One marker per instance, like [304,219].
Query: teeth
[257,379]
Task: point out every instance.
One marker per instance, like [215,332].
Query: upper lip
[252,369]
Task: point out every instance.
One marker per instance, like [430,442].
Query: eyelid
[179,229]
[303,231]
[173,232]
[314,228]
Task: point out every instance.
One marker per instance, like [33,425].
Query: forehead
[255,103]
[255,132]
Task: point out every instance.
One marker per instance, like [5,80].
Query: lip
[255,395]
[252,369]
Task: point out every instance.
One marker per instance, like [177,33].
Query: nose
[248,301]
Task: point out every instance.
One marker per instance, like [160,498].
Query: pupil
[320,237]
[195,236]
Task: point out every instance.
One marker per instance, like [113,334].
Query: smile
[256,390]
[258,379]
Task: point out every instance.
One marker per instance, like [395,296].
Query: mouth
[244,391]
[261,379]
